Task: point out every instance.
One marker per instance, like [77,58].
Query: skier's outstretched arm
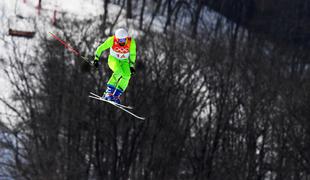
[104,46]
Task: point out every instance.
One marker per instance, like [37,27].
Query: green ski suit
[120,66]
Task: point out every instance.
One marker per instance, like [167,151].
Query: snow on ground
[23,15]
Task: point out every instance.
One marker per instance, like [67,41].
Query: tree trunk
[129,11]
[169,13]
[141,15]
[195,20]
[105,14]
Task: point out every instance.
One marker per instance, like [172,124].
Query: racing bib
[120,52]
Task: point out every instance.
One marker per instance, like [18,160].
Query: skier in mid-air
[121,61]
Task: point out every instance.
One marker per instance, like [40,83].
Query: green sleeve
[104,46]
[132,52]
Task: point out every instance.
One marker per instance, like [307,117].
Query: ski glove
[132,70]
[96,63]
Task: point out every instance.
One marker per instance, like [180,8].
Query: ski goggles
[122,40]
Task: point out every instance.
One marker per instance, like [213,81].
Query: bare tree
[141,15]
[129,9]
[196,16]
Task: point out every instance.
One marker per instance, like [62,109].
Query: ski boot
[117,95]
[108,95]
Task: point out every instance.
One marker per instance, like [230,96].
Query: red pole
[71,49]
[67,46]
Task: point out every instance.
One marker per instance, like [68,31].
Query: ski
[123,106]
[117,105]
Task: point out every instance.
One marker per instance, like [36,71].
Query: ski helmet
[121,36]
[121,33]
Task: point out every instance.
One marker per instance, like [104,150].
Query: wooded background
[222,103]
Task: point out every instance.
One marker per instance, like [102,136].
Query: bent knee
[126,77]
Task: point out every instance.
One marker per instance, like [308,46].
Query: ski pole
[71,49]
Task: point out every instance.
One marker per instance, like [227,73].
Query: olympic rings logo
[121,49]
